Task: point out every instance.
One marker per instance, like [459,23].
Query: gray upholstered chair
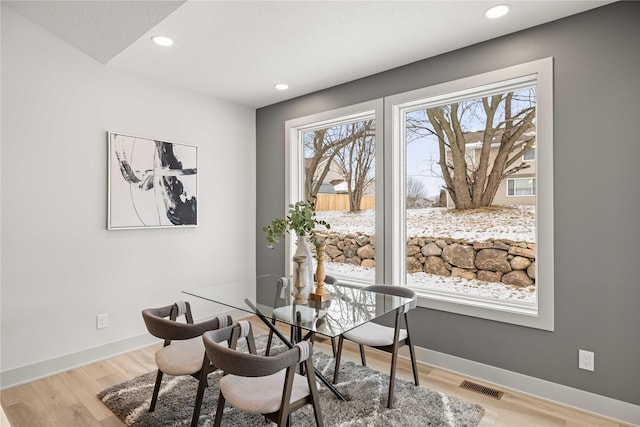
[381,337]
[265,385]
[283,298]
[183,351]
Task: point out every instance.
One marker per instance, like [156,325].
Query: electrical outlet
[585,360]
[102,321]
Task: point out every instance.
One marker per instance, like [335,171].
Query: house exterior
[518,188]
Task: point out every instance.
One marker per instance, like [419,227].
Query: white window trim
[294,174]
[519,195]
[541,317]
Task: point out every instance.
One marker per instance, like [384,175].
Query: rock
[501,245]
[520,263]
[435,265]
[531,271]
[459,255]
[413,265]
[368,263]
[522,252]
[366,252]
[517,278]
[412,250]
[332,251]
[441,243]
[431,249]
[350,251]
[489,276]
[353,260]
[482,245]
[340,258]
[461,272]
[493,260]
[362,240]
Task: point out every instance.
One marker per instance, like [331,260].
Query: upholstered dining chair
[264,385]
[283,298]
[381,337]
[183,352]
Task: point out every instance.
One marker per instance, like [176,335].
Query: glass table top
[269,295]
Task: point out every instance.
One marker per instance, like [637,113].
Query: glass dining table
[269,298]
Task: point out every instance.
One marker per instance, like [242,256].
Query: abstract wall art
[152,183]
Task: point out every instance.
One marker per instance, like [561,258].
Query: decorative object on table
[299,297]
[320,294]
[303,222]
[152,183]
[416,406]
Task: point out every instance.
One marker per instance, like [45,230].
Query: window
[521,187]
[529,155]
[472,247]
[333,163]
[422,211]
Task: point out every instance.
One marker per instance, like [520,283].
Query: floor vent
[496,394]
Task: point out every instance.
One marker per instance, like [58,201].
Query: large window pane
[334,165]
[466,156]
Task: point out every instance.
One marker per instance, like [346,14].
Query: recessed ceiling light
[281,86]
[162,40]
[497,11]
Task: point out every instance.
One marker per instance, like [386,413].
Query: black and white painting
[152,183]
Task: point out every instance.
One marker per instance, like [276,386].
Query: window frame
[542,316]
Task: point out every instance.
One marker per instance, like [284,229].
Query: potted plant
[303,222]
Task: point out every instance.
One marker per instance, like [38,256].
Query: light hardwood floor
[69,399]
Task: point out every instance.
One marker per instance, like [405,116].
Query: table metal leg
[288,343]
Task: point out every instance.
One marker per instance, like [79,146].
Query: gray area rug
[365,387]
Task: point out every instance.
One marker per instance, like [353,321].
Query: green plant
[301,220]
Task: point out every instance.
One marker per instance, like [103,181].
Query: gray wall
[597,200]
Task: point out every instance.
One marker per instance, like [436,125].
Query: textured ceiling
[237,50]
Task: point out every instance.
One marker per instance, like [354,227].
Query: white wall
[60,265]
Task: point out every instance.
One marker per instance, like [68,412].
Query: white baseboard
[45,368]
[547,390]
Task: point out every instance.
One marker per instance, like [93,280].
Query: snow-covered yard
[515,223]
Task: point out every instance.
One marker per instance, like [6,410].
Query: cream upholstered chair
[183,351]
[283,299]
[383,337]
[265,385]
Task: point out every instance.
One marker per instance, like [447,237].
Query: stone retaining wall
[504,261]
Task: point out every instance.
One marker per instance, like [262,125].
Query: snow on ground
[515,223]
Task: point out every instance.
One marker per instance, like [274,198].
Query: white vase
[306,273]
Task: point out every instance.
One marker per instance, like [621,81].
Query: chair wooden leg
[333,346]
[219,410]
[362,356]
[338,355]
[394,362]
[315,397]
[202,384]
[156,390]
[412,352]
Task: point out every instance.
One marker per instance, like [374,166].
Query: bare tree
[509,126]
[416,193]
[321,148]
[356,161]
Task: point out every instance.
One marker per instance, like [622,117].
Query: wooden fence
[340,202]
